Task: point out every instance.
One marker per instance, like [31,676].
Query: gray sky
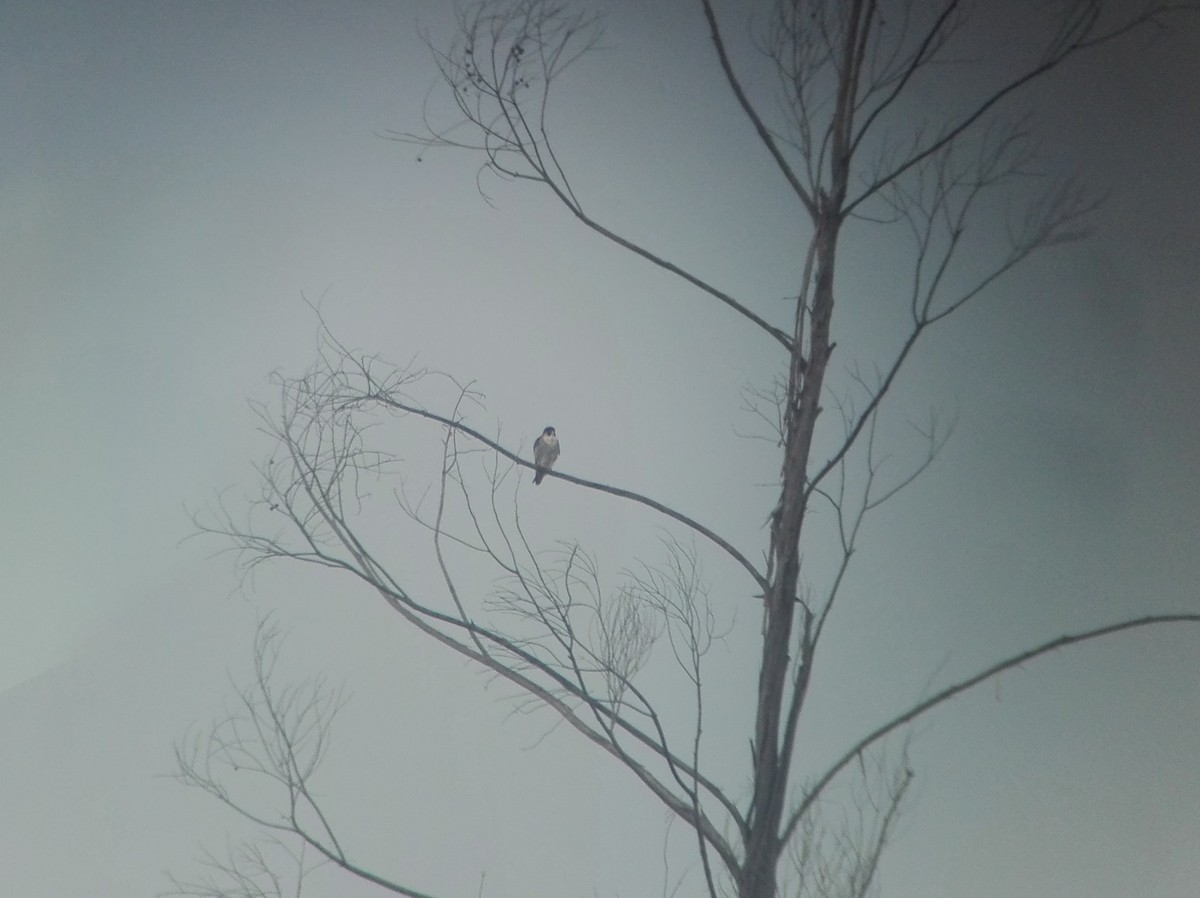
[176,177]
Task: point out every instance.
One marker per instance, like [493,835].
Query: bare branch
[837,846]
[397,404]
[760,127]
[1080,30]
[950,692]
[505,51]
[310,495]
[280,735]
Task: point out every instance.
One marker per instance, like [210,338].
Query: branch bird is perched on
[545,453]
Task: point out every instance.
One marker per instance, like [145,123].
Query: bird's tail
[537,477]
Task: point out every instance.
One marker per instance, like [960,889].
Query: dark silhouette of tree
[840,132]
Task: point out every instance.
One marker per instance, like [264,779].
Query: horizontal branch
[692,524]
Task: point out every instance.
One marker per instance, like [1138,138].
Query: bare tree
[841,132]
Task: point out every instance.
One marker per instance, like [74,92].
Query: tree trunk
[763,846]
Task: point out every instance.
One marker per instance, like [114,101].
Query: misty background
[177,179]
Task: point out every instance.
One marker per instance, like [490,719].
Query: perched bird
[545,453]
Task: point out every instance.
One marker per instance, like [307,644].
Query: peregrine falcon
[545,453]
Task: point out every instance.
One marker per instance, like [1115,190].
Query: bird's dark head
[548,432]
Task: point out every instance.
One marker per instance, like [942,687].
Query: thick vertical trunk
[772,765]
[758,873]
